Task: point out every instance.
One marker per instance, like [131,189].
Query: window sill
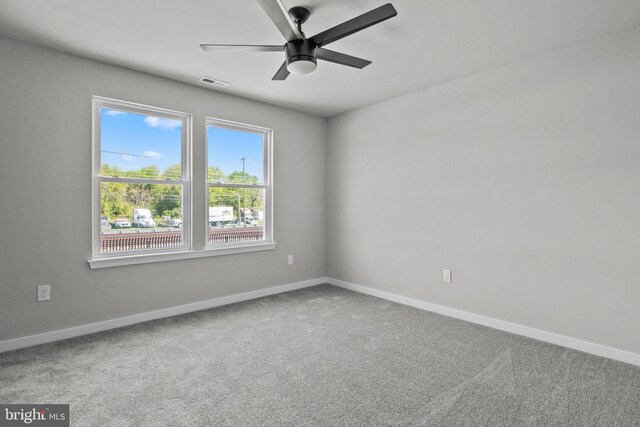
[171,256]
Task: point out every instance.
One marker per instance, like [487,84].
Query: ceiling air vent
[214,82]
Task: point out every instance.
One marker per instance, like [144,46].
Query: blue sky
[131,141]
[227,148]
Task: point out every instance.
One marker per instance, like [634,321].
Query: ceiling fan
[301,52]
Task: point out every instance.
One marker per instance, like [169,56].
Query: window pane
[235,156]
[139,145]
[236,215]
[140,216]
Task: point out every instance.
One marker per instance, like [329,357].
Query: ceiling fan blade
[280,17]
[354,25]
[243,47]
[282,73]
[341,58]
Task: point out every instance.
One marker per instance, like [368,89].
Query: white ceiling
[428,43]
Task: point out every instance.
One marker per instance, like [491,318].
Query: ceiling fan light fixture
[301,56]
[301,64]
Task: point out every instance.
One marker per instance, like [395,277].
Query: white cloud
[114,113]
[158,122]
[127,158]
[153,155]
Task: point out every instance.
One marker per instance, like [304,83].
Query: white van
[143,218]
[247,216]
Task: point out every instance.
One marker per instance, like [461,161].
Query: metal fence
[235,235]
[166,239]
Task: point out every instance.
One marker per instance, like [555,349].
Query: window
[239,184]
[141,173]
[142,188]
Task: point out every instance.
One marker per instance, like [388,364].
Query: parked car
[176,222]
[121,223]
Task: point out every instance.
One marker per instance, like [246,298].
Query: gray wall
[45,195]
[524,180]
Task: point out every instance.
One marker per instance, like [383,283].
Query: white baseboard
[538,334]
[550,337]
[75,331]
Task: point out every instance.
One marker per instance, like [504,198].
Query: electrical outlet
[44,292]
[290,260]
[446,276]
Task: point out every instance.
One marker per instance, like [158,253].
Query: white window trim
[187,251]
[98,103]
[178,255]
[267,159]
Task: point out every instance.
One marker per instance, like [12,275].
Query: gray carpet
[321,356]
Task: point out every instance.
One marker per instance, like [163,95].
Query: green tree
[215,174]
[173,173]
[250,198]
[112,171]
[150,172]
[140,195]
[167,200]
[239,177]
[113,200]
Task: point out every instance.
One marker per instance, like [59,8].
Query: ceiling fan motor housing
[301,56]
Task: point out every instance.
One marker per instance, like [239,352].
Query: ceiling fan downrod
[299,15]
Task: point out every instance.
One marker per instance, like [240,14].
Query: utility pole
[244,194]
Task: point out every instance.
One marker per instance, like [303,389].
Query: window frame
[266,186]
[98,103]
